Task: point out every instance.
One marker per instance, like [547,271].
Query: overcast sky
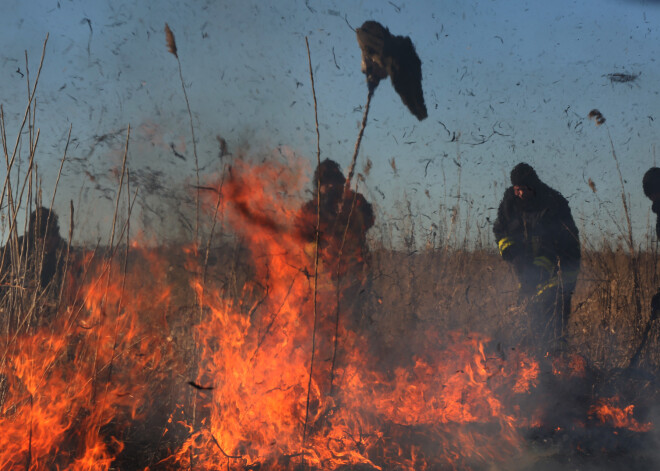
[505,81]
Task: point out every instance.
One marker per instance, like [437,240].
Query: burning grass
[169,359]
[245,353]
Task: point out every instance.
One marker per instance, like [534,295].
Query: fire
[274,376]
[607,411]
[74,384]
[264,406]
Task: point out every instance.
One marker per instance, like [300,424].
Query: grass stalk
[634,265]
[110,256]
[317,236]
[171,43]
[351,169]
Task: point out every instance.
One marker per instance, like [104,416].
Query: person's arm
[304,225]
[569,237]
[366,212]
[508,241]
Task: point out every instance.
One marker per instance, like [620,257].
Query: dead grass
[414,296]
[475,291]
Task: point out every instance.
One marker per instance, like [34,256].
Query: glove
[508,249]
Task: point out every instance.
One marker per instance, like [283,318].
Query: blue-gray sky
[513,80]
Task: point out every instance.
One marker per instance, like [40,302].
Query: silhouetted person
[35,260]
[345,218]
[536,233]
[343,270]
[651,186]
[384,54]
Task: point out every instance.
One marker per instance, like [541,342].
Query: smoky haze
[568,87]
[504,82]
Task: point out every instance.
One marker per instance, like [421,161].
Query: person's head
[525,181]
[651,184]
[330,177]
[44,227]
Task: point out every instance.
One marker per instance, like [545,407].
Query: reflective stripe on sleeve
[504,244]
[567,277]
[545,263]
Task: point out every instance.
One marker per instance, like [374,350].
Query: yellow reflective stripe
[567,277]
[504,244]
[545,263]
[542,287]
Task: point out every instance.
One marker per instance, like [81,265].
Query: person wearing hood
[651,187]
[537,235]
[345,218]
[38,254]
[32,266]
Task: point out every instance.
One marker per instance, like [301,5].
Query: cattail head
[592,185]
[597,116]
[171,42]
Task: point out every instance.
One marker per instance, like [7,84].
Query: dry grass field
[420,305]
[231,350]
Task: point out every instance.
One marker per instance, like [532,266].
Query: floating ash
[619,77]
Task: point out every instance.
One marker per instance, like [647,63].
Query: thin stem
[194,142]
[339,286]
[351,169]
[316,252]
[121,184]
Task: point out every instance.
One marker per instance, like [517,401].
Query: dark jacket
[532,233]
[337,232]
[35,267]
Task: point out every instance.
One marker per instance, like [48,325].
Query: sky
[505,81]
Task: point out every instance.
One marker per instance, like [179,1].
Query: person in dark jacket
[651,187]
[535,232]
[34,263]
[36,255]
[345,218]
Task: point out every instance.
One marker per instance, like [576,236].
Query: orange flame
[264,384]
[257,359]
[608,412]
[72,382]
